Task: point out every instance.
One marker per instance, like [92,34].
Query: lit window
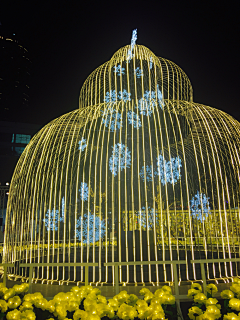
[22,138]
[19,150]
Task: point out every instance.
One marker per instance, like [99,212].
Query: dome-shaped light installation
[139,173]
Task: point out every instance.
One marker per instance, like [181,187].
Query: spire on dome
[133,42]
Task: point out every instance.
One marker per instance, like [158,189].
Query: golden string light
[139,173]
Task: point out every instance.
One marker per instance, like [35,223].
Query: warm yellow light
[139,173]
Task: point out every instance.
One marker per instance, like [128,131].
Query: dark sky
[67,40]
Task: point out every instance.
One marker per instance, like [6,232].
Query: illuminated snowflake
[119,70]
[134,119]
[141,218]
[168,171]
[124,95]
[83,191]
[112,119]
[52,218]
[149,102]
[120,158]
[89,229]
[82,144]
[148,170]
[199,206]
[138,72]
[111,96]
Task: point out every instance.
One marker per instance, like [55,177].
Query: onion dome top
[134,76]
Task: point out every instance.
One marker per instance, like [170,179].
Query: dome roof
[142,73]
[139,173]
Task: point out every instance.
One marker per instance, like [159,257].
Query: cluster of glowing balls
[207,307]
[85,302]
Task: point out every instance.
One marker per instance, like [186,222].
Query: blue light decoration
[83,191]
[141,218]
[149,102]
[168,171]
[82,144]
[120,158]
[151,63]
[119,70]
[52,218]
[112,119]
[134,119]
[199,206]
[89,229]
[112,96]
[138,72]
[148,170]
[133,42]
[124,95]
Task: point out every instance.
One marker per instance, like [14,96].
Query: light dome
[139,173]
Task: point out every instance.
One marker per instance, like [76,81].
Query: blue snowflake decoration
[149,175]
[52,218]
[83,191]
[119,70]
[112,119]
[149,101]
[134,119]
[199,206]
[124,95]
[138,72]
[82,144]
[168,171]
[120,158]
[142,218]
[111,96]
[89,229]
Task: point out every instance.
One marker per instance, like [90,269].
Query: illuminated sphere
[139,173]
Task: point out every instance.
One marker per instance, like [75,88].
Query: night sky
[67,40]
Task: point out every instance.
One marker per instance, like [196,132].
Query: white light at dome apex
[199,206]
[52,218]
[133,42]
[89,228]
[120,158]
[168,171]
[134,119]
[83,191]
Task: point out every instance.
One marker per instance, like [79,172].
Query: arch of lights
[139,173]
